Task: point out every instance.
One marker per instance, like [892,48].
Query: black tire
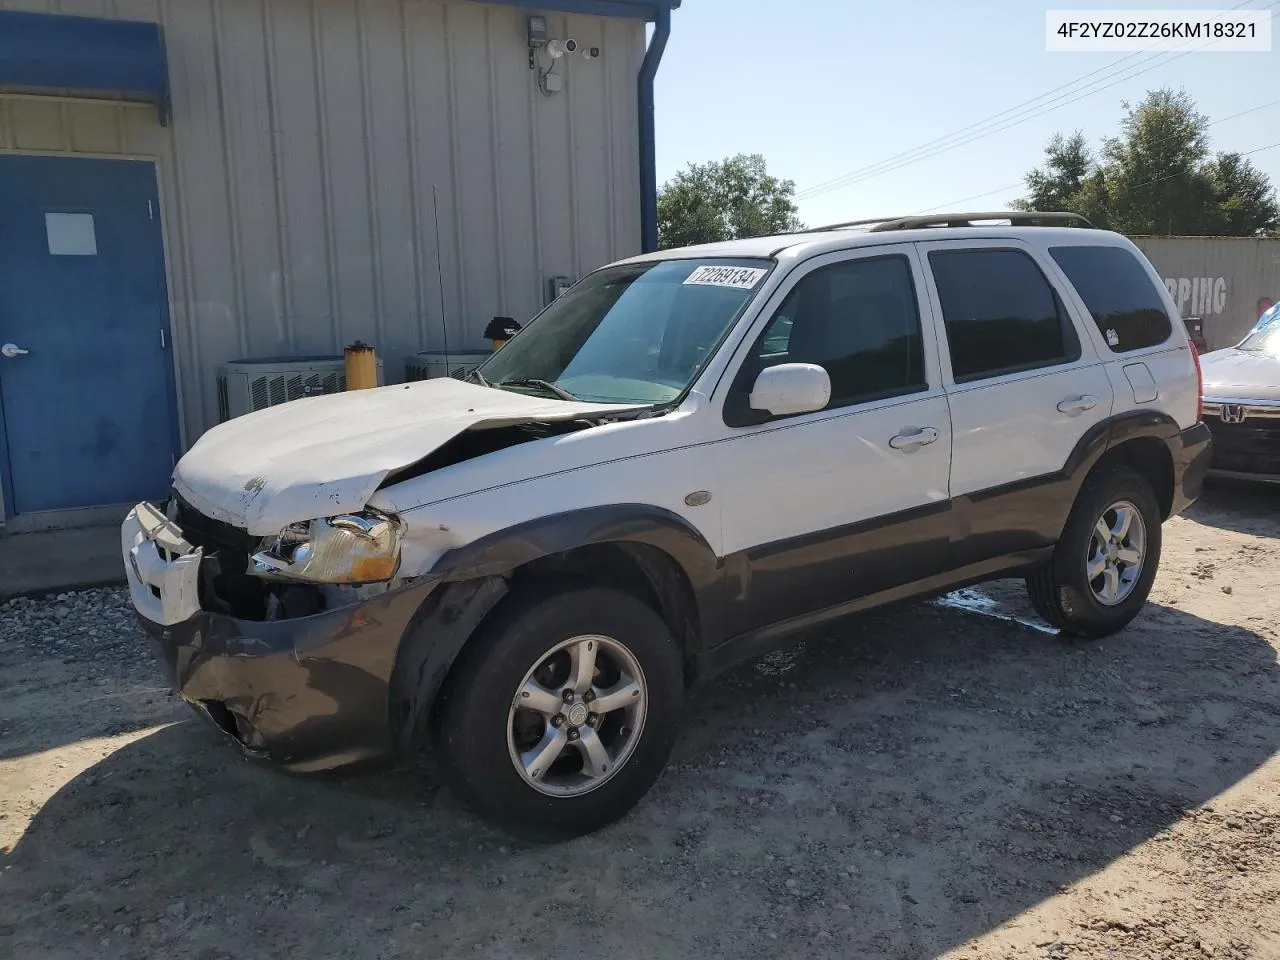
[474,716]
[1061,592]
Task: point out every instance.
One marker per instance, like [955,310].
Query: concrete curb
[58,561]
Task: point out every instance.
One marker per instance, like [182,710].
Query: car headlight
[359,547]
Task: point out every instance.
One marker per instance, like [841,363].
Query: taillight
[1195,355]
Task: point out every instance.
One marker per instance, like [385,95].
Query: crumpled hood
[1233,374]
[327,455]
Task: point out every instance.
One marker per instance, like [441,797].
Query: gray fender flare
[472,579]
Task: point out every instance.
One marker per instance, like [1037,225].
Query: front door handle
[1077,405]
[11,350]
[907,442]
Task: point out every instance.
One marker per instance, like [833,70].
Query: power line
[1211,123]
[1145,183]
[977,123]
[983,128]
[976,196]
[1178,173]
[1012,116]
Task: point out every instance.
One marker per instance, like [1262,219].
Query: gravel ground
[930,781]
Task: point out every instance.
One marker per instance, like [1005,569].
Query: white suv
[683,459]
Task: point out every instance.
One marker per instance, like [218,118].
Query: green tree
[1068,163]
[1157,177]
[1245,198]
[725,200]
[1155,170]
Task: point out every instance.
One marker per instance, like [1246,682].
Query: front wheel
[1104,564]
[563,710]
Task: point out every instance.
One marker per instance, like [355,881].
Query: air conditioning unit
[428,366]
[248,385]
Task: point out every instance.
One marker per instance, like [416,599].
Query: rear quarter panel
[1171,363]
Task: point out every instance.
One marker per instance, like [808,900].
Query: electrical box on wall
[537,31]
[556,49]
[556,286]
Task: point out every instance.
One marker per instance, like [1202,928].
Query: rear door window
[1001,314]
[1120,296]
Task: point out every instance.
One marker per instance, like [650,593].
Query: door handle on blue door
[914,440]
[1077,405]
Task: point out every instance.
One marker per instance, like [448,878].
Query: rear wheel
[1104,564]
[563,711]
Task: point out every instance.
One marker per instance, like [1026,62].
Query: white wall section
[307,136]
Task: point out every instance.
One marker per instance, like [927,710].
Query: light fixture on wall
[559,48]
[549,81]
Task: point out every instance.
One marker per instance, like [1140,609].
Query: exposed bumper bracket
[163,569]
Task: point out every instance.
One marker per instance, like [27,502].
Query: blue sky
[826,87]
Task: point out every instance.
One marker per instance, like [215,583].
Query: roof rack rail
[847,223]
[1016,218]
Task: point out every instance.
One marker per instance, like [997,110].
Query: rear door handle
[1077,405]
[914,440]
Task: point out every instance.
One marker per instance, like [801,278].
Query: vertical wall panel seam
[611,170]
[232,184]
[190,403]
[573,168]
[277,177]
[415,186]
[6,124]
[451,84]
[326,183]
[495,165]
[371,173]
[535,183]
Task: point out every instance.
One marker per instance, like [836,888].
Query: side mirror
[791,388]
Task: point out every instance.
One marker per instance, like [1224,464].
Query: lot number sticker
[744,278]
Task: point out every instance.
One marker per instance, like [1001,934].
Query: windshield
[1267,319]
[636,333]
[1265,338]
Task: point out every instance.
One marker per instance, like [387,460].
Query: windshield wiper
[540,384]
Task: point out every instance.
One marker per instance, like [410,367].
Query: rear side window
[1123,300]
[1001,314]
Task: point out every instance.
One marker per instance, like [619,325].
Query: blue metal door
[87,410]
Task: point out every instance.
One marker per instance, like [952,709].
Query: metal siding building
[1221,279]
[317,149]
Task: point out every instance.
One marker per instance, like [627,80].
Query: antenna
[444,322]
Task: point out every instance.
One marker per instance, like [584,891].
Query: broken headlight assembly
[359,547]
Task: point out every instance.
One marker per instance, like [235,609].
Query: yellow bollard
[362,366]
[500,330]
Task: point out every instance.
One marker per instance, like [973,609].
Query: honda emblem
[1232,413]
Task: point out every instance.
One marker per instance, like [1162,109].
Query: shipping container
[1228,282]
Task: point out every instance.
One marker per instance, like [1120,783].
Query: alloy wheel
[577,716]
[1117,551]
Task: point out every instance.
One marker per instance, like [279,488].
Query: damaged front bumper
[310,692]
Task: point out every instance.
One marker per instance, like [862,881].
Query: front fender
[473,578]
[500,553]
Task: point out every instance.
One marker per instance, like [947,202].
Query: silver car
[1242,405]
